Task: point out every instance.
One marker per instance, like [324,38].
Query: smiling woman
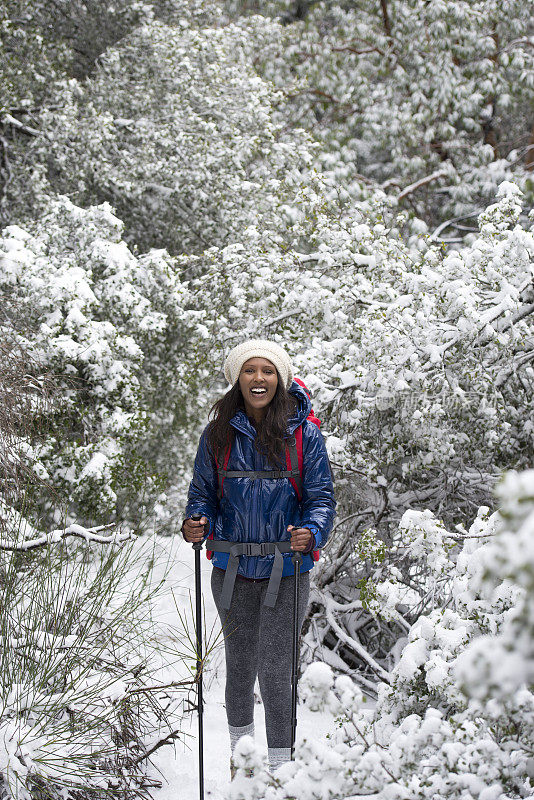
[245,489]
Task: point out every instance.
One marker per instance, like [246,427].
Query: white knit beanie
[258,348]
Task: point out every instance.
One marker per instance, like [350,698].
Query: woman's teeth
[258,391]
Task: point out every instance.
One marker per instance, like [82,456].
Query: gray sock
[278,756]
[237,733]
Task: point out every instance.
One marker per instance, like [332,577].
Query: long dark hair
[269,432]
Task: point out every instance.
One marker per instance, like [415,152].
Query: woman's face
[258,380]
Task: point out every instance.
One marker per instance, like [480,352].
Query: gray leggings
[258,641]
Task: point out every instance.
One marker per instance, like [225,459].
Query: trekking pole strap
[237,549]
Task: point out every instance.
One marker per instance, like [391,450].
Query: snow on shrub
[457,719]
[175,129]
[496,666]
[112,327]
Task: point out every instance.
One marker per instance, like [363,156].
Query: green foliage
[370,547]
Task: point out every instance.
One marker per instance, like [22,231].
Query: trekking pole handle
[197,545]
[296,558]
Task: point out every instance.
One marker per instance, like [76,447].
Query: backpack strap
[223,473]
[297,452]
[294,460]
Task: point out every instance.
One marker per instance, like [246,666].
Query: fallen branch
[89,534]
[329,606]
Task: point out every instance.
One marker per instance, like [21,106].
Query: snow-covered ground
[177,766]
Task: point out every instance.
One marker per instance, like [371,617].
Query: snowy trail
[177,765]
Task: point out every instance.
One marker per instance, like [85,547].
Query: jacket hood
[241,421]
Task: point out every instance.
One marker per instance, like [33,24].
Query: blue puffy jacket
[260,510]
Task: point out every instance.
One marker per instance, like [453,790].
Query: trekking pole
[297,561]
[197,547]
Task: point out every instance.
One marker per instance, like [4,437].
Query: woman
[253,429]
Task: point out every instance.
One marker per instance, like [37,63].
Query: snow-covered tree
[114,330]
[429,99]
[44,43]
[176,131]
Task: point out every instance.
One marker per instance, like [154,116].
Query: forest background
[355,180]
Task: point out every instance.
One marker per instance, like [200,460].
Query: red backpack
[294,462]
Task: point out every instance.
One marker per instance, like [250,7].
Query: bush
[113,329]
[81,706]
[456,720]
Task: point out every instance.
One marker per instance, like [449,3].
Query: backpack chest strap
[268,474]
[293,471]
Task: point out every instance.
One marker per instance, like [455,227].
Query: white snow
[177,766]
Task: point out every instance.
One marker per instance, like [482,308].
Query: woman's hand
[193,529]
[300,537]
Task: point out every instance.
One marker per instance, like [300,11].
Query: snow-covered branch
[330,606]
[413,187]
[448,222]
[88,534]
[8,119]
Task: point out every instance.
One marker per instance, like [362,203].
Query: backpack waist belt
[236,549]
